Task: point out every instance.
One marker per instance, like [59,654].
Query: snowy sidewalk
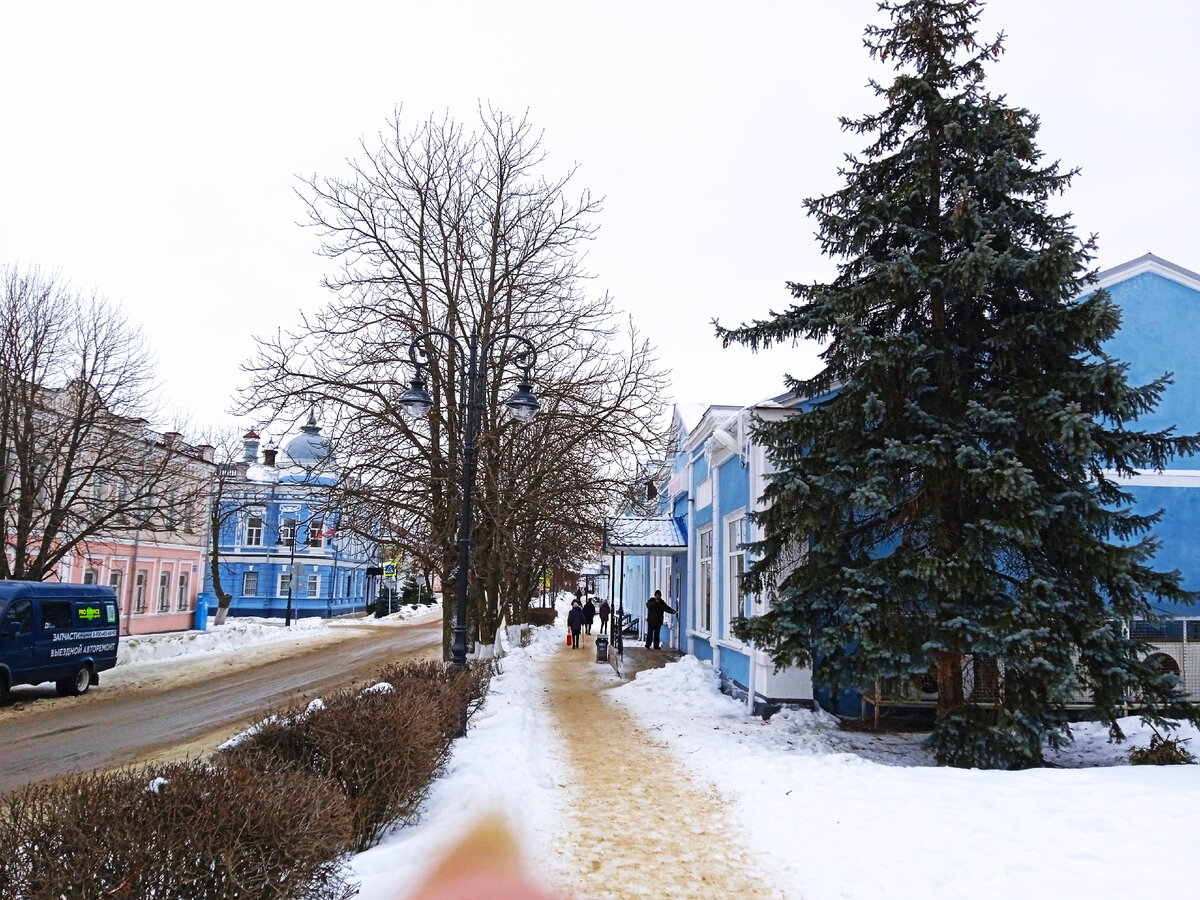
[625,788]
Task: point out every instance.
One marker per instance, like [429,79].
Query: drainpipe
[137,536]
[621,614]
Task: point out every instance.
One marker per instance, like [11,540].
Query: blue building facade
[1160,318]
[717,474]
[281,547]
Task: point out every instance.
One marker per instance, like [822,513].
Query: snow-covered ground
[831,813]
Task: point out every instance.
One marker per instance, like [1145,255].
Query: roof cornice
[1143,264]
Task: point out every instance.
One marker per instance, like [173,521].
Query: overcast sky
[151,149]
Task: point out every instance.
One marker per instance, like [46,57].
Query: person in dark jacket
[656,608]
[605,611]
[589,614]
[575,623]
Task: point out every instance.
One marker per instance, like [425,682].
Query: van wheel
[73,687]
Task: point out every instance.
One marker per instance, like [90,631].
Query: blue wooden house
[689,542]
[281,549]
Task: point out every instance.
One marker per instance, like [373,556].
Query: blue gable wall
[1160,322]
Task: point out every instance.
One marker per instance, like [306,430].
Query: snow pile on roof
[653,531]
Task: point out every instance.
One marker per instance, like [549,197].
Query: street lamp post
[417,403]
[296,526]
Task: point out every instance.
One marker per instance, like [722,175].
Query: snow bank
[855,815]
[506,764]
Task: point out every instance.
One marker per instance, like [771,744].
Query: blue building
[280,544]
[690,545]
[1160,317]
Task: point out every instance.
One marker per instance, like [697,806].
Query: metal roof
[647,536]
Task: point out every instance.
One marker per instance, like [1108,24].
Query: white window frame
[316,534]
[254,533]
[705,594]
[735,569]
[288,528]
[91,576]
[246,579]
[312,586]
[284,585]
[114,581]
[141,581]
[164,591]
[182,600]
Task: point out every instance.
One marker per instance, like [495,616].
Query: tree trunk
[949,682]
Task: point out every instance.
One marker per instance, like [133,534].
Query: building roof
[308,449]
[1148,262]
[647,536]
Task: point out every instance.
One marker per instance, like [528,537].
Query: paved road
[106,728]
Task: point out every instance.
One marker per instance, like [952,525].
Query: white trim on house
[729,555]
[1188,478]
[1147,263]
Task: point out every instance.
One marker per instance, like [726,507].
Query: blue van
[65,633]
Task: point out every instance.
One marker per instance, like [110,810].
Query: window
[143,577]
[316,533]
[250,584]
[181,600]
[285,584]
[287,531]
[164,591]
[705,580]
[314,584]
[98,495]
[114,581]
[90,576]
[349,586]
[56,615]
[254,531]
[735,602]
[21,612]
[123,499]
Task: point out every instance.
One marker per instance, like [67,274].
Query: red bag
[568,640]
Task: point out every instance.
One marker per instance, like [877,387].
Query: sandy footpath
[624,783]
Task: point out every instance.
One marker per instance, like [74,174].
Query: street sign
[389,570]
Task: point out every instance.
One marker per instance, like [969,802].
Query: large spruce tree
[947,505]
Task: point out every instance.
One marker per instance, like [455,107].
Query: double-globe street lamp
[522,406]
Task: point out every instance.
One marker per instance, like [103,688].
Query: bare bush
[178,830]
[382,748]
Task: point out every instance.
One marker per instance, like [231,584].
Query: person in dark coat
[575,623]
[589,614]
[656,608]
[605,611]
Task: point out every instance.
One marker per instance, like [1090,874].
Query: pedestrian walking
[589,615]
[656,608]
[575,623]
[605,611]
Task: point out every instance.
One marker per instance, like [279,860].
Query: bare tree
[442,229]
[77,459]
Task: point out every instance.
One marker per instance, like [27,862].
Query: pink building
[156,573]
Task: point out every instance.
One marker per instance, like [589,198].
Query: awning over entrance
[649,536]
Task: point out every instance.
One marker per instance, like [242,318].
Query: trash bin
[200,621]
[601,649]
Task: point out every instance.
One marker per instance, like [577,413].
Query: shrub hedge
[272,817]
